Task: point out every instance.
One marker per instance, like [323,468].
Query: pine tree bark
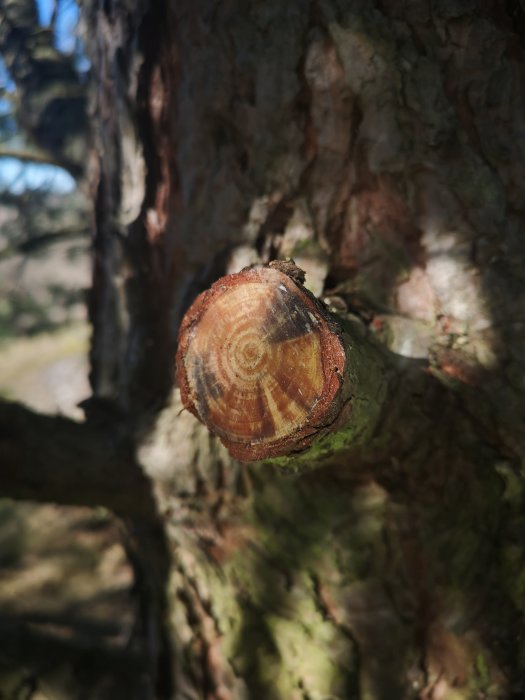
[378,144]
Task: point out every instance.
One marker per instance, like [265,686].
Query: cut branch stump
[265,366]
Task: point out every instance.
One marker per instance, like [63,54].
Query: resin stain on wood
[260,363]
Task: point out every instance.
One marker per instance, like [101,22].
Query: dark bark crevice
[147,547]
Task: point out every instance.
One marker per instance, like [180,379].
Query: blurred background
[64,576]
[44,212]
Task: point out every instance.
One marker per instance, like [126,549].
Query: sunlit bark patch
[260,363]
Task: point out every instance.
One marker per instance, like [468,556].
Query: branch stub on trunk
[261,363]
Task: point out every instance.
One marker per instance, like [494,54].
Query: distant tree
[379,144]
[43,127]
[50,98]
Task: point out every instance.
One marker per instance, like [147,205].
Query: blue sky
[67,19]
[18,176]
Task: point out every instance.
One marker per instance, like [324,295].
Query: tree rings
[260,363]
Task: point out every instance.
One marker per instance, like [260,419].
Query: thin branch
[51,458]
[30,156]
[37,243]
[54,15]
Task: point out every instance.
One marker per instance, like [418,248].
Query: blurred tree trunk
[380,144]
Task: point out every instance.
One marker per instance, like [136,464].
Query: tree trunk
[379,144]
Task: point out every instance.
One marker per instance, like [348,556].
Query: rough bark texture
[379,143]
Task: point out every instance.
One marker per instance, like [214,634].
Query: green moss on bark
[367,382]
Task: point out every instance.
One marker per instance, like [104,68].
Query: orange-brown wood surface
[260,363]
